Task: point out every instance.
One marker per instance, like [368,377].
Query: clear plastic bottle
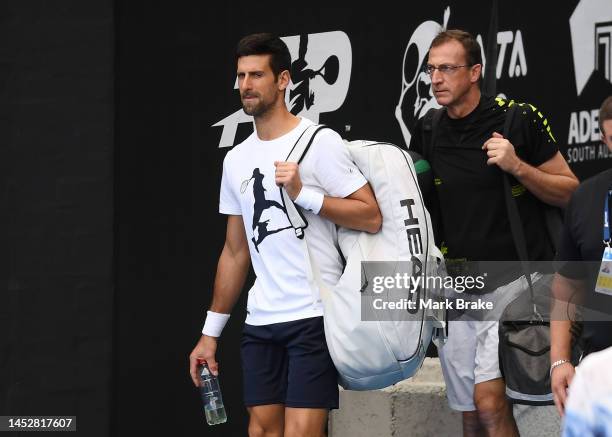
[211,396]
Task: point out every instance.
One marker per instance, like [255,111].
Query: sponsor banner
[361,71]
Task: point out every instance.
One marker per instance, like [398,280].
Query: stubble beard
[256,109]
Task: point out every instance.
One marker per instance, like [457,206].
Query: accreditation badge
[604,278]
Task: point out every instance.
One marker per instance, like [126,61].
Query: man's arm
[231,273]
[552,182]
[563,312]
[232,268]
[357,211]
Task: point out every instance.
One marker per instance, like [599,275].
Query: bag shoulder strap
[305,140]
[431,121]
[516,225]
[295,216]
[296,154]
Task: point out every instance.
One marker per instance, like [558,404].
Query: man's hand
[501,153]
[203,352]
[288,175]
[560,380]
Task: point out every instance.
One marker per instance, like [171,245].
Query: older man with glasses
[464,144]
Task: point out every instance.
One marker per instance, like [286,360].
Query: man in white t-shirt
[289,379]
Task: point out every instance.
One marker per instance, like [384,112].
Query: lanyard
[606,223]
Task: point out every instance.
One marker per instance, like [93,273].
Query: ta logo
[320,77]
[591,29]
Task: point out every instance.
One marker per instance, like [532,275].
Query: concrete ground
[418,407]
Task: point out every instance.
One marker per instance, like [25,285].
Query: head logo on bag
[415,245]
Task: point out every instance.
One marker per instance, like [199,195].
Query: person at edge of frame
[290,382]
[468,160]
[582,245]
[588,410]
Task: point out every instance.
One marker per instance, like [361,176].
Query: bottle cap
[205,371]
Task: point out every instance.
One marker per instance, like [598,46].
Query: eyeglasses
[444,69]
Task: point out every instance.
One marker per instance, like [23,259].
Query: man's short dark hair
[266,44]
[605,113]
[469,43]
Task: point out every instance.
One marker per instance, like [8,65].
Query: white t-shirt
[281,291]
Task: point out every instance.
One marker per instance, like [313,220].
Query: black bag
[524,328]
[524,345]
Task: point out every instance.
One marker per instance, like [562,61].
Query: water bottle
[211,396]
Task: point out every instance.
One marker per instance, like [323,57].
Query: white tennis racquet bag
[375,349]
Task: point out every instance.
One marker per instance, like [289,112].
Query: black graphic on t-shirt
[260,205]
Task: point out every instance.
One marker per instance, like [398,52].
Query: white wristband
[214,324]
[310,200]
